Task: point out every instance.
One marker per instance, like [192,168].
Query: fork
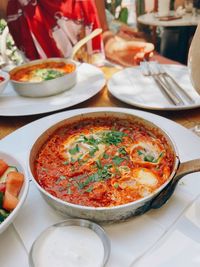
[166,77]
[172,97]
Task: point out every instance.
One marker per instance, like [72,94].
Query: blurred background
[171,42]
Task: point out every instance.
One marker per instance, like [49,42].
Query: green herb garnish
[89,189]
[48,74]
[122,151]
[93,150]
[74,150]
[140,152]
[98,163]
[116,185]
[149,158]
[113,137]
[117,160]
[105,156]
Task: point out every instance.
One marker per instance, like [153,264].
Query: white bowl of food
[4,79]
[44,77]
[13,189]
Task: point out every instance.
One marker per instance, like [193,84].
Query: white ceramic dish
[46,87]
[131,87]
[11,161]
[3,83]
[90,80]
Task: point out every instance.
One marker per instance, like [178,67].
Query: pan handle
[184,169]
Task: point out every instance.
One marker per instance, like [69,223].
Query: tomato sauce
[26,73]
[103,162]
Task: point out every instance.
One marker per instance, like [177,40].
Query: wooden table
[187,118]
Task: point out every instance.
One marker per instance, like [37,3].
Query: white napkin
[129,240]
[181,247]
[11,252]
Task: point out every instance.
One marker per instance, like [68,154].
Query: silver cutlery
[171,95]
[170,81]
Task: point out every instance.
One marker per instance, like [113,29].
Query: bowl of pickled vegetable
[44,77]
[13,189]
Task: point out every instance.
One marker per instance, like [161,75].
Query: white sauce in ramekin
[71,246]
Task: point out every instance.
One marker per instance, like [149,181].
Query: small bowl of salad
[44,77]
[13,189]
[4,79]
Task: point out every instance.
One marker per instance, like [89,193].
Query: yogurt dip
[69,246]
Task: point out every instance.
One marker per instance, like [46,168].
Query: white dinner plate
[90,81]
[129,240]
[131,87]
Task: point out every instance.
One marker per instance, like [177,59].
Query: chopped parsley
[92,178]
[140,152]
[74,150]
[48,74]
[103,173]
[148,157]
[122,151]
[73,160]
[113,137]
[93,150]
[89,140]
[105,156]
[117,160]
[89,189]
[98,163]
[66,162]
[116,185]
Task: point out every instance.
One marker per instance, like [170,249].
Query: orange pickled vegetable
[9,201]
[14,182]
[3,167]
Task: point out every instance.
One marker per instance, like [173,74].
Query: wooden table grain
[187,118]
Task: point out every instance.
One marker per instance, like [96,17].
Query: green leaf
[93,150]
[89,140]
[116,185]
[117,160]
[149,158]
[48,74]
[89,189]
[122,151]
[105,156]
[113,137]
[140,152]
[74,150]
[98,163]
